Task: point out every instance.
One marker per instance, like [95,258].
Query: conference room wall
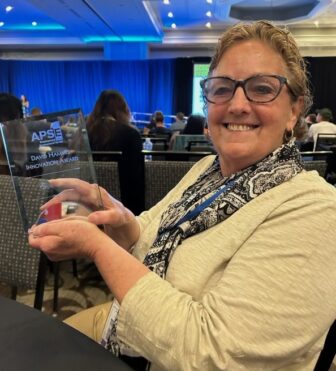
[322,72]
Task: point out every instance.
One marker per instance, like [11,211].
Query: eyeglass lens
[257,89]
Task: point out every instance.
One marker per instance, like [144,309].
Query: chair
[161,177]
[107,173]
[20,265]
[199,146]
[182,140]
[325,141]
[318,165]
[328,352]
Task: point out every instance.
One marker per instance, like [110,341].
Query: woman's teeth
[240,127]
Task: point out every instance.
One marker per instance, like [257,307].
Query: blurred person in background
[25,105]
[324,125]
[160,128]
[109,129]
[195,125]
[15,133]
[179,123]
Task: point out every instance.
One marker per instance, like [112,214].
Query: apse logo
[49,137]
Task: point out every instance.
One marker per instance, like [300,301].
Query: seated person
[179,123]
[159,130]
[218,276]
[150,125]
[109,129]
[310,119]
[324,125]
[15,133]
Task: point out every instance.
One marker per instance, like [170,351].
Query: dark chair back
[318,165]
[20,265]
[107,173]
[325,141]
[161,177]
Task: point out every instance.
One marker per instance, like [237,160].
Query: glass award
[45,147]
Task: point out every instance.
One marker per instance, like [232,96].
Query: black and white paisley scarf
[229,194]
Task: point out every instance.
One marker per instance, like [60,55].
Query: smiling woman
[217,275]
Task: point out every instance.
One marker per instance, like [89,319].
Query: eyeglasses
[257,89]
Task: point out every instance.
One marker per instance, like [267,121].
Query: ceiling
[135,29]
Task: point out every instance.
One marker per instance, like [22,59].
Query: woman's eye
[263,89]
[222,90]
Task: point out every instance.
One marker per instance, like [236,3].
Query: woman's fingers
[110,216]
[77,184]
[76,190]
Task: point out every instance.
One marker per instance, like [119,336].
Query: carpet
[75,293]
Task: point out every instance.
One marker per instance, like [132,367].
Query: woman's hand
[76,237]
[120,223]
[69,238]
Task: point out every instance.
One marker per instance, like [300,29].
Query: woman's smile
[240,127]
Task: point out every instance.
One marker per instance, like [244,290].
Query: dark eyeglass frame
[241,83]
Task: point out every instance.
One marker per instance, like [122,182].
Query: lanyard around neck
[199,208]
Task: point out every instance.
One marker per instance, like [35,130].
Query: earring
[288,135]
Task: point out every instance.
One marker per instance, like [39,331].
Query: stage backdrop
[59,85]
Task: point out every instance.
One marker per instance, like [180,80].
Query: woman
[109,129]
[228,280]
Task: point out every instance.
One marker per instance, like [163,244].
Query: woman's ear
[296,111]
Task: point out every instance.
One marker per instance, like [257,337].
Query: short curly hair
[282,42]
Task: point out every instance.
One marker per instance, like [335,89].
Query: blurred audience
[160,128]
[179,123]
[14,132]
[109,129]
[310,119]
[324,125]
[195,125]
[151,125]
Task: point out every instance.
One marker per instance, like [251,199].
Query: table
[31,340]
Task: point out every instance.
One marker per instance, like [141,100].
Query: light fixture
[34,23]
[316,23]
[208,14]
[173,25]
[166,2]
[2,24]
[209,1]
[170,15]
[8,8]
[208,24]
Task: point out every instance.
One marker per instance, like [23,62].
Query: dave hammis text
[51,159]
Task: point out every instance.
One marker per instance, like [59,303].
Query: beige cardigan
[256,292]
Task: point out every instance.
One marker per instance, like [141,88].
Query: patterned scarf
[216,198]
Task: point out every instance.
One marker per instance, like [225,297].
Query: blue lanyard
[198,209]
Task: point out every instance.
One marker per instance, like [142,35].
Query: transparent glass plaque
[40,148]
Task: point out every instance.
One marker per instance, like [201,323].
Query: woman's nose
[239,103]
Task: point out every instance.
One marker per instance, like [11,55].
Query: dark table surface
[31,340]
